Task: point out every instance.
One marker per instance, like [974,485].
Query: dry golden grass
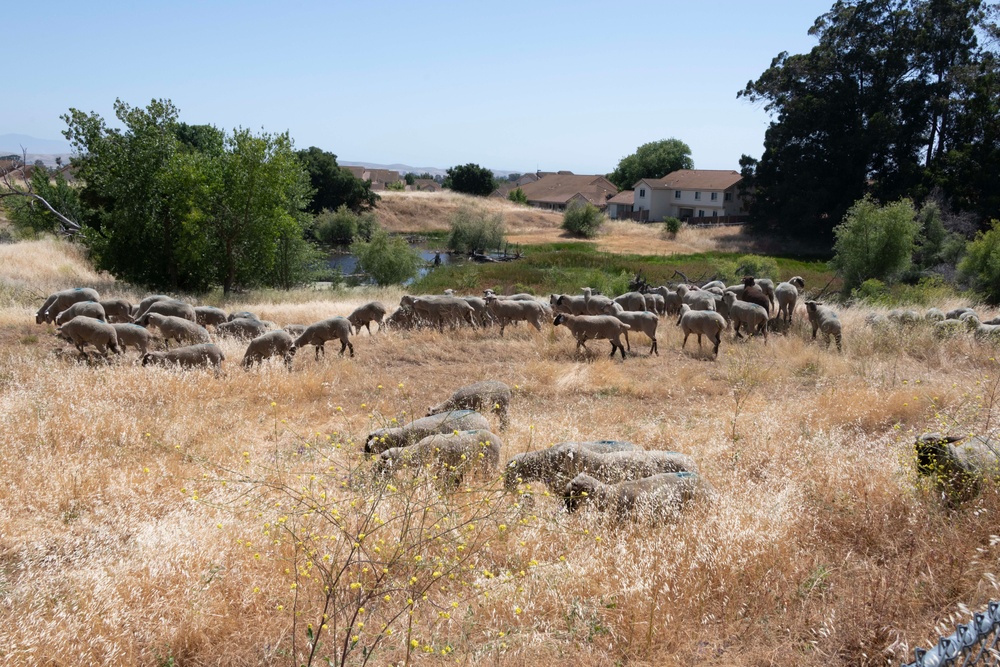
[820,546]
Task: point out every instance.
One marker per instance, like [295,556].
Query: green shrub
[671,226]
[474,230]
[758,266]
[583,219]
[981,264]
[517,196]
[398,186]
[875,241]
[388,260]
[344,226]
[872,291]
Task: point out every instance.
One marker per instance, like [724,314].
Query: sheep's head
[560,318]
[578,491]
[748,281]
[798,281]
[812,305]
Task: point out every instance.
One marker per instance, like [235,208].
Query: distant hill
[13,143]
[405,168]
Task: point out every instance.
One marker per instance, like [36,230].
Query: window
[715,196]
[697,195]
[701,213]
[729,196]
[642,192]
[677,194]
[715,214]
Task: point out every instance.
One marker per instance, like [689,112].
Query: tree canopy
[897,96]
[653,160]
[333,185]
[471,179]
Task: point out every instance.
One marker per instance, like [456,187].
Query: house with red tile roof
[690,193]
[555,191]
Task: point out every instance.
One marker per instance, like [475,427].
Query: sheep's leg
[626,342]
[699,341]
[655,349]
[685,340]
[537,324]
[718,340]
[320,346]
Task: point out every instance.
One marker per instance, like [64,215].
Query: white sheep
[597,304]
[508,311]
[85,308]
[702,322]
[407,434]
[787,295]
[488,395]
[634,301]
[958,463]
[824,319]
[697,299]
[643,321]
[448,455]
[594,327]
[982,331]
[750,316]
[655,497]
[934,315]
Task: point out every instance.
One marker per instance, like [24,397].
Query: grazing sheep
[294,329]
[488,395]
[134,335]
[83,331]
[209,315]
[656,496]
[170,308]
[192,356]
[753,293]
[594,327]
[407,434]
[957,313]
[85,308]
[634,301]
[449,455]
[363,316]
[904,317]
[60,301]
[655,303]
[750,316]
[439,308]
[824,319]
[317,333]
[270,344]
[958,463]
[242,315]
[982,331]
[609,461]
[934,315]
[242,327]
[181,330]
[948,329]
[787,295]
[401,318]
[597,304]
[140,308]
[567,303]
[697,299]
[507,311]
[703,322]
[117,311]
[643,321]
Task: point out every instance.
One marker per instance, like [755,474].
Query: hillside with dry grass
[151,517]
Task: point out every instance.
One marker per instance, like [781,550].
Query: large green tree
[471,179]
[653,160]
[333,185]
[873,108]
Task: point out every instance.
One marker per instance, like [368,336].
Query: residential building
[697,194]
[620,206]
[555,191]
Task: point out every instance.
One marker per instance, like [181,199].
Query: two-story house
[690,194]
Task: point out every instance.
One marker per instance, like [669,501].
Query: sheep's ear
[570,455]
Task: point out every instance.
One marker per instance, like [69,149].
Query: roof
[358,172]
[383,175]
[623,197]
[560,188]
[695,179]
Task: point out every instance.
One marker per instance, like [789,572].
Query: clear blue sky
[509,85]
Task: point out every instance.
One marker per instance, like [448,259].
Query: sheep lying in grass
[934,315]
[824,319]
[191,356]
[488,395]
[744,314]
[179,329]
[117,311]
[60,301]
[787,295]
[608,460]
[317,333]
[242,327]
[643,321]
[209,315]
[702,322]
[407,434]
[594,327]
[85,308]
[654,497]
[83,331]
[982,331]
[449,456]
[271,344]
[363,316]
[133,335]
[958,463]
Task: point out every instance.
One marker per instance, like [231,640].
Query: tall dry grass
[120,545]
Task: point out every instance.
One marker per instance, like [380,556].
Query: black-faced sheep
[373,311]
[83,331]
[824,319]
[191,356]
[60,301]
[407,434]
[317,333]
[594,327]
[450,456]
[654,497]
[271,344]
[485,396]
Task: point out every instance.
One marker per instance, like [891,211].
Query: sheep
[594,327]
[242,327]
[609,461]
[956,313]
[632,301]
[824,319]
[703,322]
[449,455]
[87,308]
[171,308]
[407,434]
[439,308]
[521,296]
[948,329]
[401,318]
[507,311]
[83,331]
[597,304]
[270,344]
[656,496]
[697,299]
[117,311]
[904,317]
[480,311]
[766,285]
[982,331]
[934,315]
[958,463]
[60,301]
[178,328]
[294,329]
[671,299]
[317,333]
[209,315]
[242,315]
[134,335]
[363,316]
[751,316]
[643,321]
[755,294]
[567,303]
[483,396]
[787,294]
[141,307]
[206,354]
[655,303]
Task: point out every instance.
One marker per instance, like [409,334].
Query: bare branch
[69,227]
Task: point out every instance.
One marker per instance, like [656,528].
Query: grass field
[154,517]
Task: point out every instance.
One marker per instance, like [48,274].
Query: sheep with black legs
[594,327]
[643,321]
[787,295]
[744,314]
[363,316]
